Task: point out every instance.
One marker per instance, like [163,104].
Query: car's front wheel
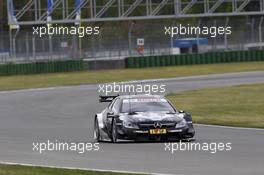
[114,131]
[96,130]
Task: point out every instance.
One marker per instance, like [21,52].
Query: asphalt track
[66,114]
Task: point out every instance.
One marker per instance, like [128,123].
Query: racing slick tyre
[114,131]
[96,130]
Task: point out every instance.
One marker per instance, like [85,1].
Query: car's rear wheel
[114,131]
[96,130]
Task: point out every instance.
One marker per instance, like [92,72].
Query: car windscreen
[145,104]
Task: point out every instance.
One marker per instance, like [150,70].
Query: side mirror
[111,115]
[181,111]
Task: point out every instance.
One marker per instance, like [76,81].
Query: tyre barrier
[192,59]
[42,67]
[134,62]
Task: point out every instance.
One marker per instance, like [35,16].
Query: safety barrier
[43,67]
[192,59]
[133,62]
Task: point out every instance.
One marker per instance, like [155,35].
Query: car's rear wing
[107,98]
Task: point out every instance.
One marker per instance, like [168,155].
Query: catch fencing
[119,40]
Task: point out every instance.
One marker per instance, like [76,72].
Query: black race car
[141,117]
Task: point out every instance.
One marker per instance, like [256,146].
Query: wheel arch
[100,120]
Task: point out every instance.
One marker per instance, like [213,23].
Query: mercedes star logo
[157,125]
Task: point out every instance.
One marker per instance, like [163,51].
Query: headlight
[128,124]
[181,124]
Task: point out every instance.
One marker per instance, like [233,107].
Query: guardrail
[192,59]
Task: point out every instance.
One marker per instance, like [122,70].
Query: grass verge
[28,170]
[91,77]
[230,106]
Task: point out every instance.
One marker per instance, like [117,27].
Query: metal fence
[119,40]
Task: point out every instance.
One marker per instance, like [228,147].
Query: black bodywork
[141,125]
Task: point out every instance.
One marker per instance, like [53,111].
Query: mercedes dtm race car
[141,117]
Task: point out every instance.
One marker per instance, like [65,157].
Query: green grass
[91,77]
[28,170]
[241,106]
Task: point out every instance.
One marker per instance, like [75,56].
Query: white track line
[45,89]
[187,77]
[30,90]
[132,82]
[230,127]
[86,169]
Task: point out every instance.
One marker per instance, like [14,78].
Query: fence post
[130,38]
[33,48]
[226,23]
[50,47]
[27,45]
[260,32]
